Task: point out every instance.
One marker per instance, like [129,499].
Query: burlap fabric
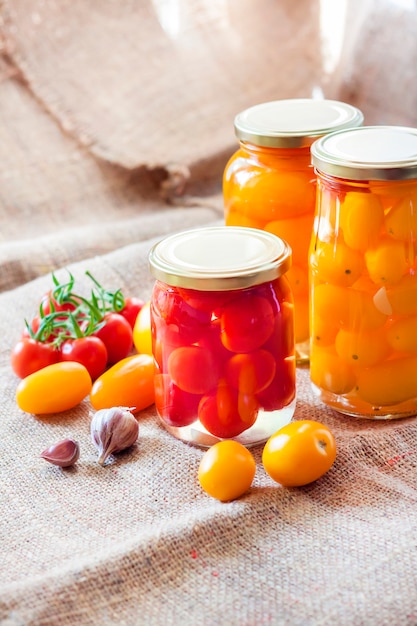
[115,125]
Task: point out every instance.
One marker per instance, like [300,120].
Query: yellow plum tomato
[129,383]
[299,453]
[55,388]
[226,470]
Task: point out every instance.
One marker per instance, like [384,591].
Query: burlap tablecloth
[115,126]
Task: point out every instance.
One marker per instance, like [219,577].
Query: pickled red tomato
[388,383]
[246,322]
[401,220]
[185,320]
[206,301]
[361,219]
[402,335]
[175,406]
[226,413]
[362,349]
[387,262]
[193,369]
[297,231]
[281,391]
[250,373]
[329,372]
[336,263]
[211,340]
[281,341]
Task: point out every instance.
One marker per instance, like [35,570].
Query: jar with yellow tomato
[363,272]
[269,182]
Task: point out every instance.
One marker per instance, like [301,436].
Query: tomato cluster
[223,355]
[96,332]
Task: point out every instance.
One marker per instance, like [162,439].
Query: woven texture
[116,124]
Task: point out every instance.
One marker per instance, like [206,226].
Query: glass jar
[223,334]
[363,271]
[269,182]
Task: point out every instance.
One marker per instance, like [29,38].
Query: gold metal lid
[368,153]
[294,123]
[219,258]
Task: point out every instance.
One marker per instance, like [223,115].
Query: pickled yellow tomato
[297,232]
[322,332]
[401,220]
[361,219]
[391,382]
[387,263]
[346,307]
[298,279]
[267,194]
[402,335]
[403,297]
[301,318]
[362,349]
[236,218]
[334,262]
[329,372]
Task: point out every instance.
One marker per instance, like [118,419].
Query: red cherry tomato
[193,369]
[299,453]
[117,336]
[89,351]
[251,372]
[174,406]
[29,356]
[227,413]
[131,309]
[246,323]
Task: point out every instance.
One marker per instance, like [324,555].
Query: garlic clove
[63,454]
[113,430]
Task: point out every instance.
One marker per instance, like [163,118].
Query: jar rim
[368,153]
[219,258]
[294,123]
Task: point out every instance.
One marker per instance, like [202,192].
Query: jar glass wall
[223,335]
[363,273]
[269,183]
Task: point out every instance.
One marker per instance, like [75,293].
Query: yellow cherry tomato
[299,453]
[55,388]
[142,335]
[361,218]
[391,382]
[226,470]
[130,382]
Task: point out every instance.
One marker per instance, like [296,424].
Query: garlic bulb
[64,453]
[113,430]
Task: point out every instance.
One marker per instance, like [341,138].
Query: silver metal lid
[219,258]
[368,153]
[294,123]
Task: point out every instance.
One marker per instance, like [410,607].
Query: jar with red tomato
[269,182]
[363,272]
[223,334]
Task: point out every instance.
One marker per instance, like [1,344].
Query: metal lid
[294,123]
[219,258]
[368,153]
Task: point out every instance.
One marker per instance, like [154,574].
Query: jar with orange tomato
[269,182]
[222,335]
[363,272]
